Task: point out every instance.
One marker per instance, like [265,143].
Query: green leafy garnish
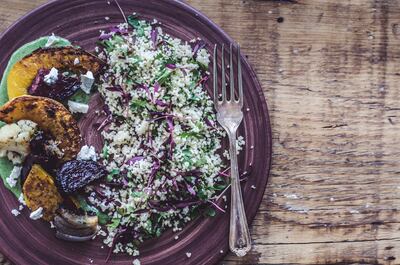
[104,152]
[210,212]
[81,97]
[163,76]
[103,218]
[113,172]
[114,223]
[138,104]
[134,22]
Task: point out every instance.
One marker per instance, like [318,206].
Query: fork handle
[239,235]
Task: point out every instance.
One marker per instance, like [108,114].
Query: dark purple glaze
[33,242]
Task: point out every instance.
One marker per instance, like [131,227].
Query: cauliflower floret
[15,137]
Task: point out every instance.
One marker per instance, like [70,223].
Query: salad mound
[160,132]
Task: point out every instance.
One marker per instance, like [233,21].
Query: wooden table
[330,71]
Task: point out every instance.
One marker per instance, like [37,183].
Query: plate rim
[208,22]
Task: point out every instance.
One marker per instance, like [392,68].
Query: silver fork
[230,115]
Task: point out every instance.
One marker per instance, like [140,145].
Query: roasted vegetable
[76,174]
[40,191]
[63,88]
[51,116]
[72,227]
[24,71]
[15,137]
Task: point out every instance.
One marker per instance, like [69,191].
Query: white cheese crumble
[136,262]
[52,77]
[15,212]
[12,180]
[87,81]
[87,153]
[188,254]
[51,41]
[21,199]
[76,61]
[37,214]
[76,107]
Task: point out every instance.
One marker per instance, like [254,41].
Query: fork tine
[240,82]
[215,76]
[223,75]
[231,76]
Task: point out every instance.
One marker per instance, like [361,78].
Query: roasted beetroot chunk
[63,88]
[76,174]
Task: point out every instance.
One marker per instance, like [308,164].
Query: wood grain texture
[330,72]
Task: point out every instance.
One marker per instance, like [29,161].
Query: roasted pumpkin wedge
[40,191]
[25,70]
[51,116]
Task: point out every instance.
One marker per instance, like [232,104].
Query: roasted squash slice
[25,70]
[51,116]
[40,191]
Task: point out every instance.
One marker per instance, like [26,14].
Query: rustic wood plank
[330,71]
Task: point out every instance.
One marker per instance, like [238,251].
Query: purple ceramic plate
[27,242]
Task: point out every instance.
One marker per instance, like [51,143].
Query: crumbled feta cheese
[76,61]
[52,77]
[14,176]
[15,212]
[37,214]
[221,251]
[87,153]
[21,199]
[52,225]
[87,81]
[51,40]
[76,107]
[188,254]
[136,262]
[253,187]
[21,207]
[107,18]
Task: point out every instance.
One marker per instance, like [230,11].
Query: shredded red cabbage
[170,123]
[161,103]
[153,35]
[156,166]
[157,87]
[200,44]
[115,30]
[133,160]
[209,122]
[190,189]
[170,66]
[126,97]
[203,80]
